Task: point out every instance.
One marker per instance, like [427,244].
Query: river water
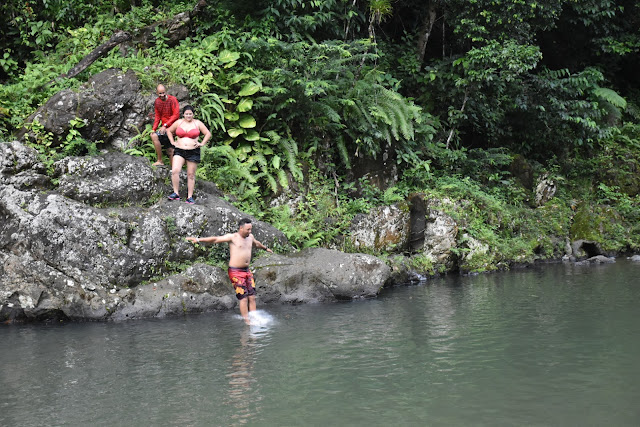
[554,345]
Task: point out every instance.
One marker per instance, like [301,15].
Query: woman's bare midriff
[186,143]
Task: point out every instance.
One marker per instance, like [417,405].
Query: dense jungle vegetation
[464,100]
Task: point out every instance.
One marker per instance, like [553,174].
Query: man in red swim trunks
[240,245]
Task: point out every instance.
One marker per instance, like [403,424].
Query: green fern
[342,151]
[611,96]
[212,111]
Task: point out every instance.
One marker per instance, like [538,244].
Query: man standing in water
[240,245]
[167,111]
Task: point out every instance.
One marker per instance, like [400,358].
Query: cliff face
[95,244]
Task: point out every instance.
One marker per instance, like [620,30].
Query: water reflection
[244,394]
[532,347]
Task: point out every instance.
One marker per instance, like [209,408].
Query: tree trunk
[453,128]
[425,31]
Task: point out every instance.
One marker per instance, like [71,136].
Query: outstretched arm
[259,245]
[211,239]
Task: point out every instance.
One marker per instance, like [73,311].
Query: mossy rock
[522,170]
[601,224]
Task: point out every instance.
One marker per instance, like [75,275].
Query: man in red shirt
[167,111]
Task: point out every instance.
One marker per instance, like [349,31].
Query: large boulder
[199,289]
[476,255]
[419,226]
[111,105]
[440,237]
[317,275]
[113,178]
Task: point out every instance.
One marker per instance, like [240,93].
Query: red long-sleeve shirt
[166,111]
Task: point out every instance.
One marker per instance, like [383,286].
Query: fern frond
[282,178]
[342,151]
[290,149]
[611,96]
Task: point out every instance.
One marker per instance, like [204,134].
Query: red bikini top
[192,133]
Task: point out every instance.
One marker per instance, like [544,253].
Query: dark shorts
[164,141]
[242,281]
[188,155]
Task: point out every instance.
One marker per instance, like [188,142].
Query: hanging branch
[104,48]
[177,26]
[464,102]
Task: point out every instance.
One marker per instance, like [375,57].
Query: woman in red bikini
[187,149]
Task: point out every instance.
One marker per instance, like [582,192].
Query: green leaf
[247,121]
[611,96]
[250,88]
[245,105]
[227,56]
[232,116]
[276,162]
[238,78]
[252,135]
[235,132]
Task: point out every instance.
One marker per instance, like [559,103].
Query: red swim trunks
[242,281]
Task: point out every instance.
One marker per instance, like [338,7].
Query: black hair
[188,107]
[243,221]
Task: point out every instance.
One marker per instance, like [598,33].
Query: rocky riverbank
[98,241]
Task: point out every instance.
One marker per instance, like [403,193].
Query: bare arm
[211,239]
[205,131]
[259,245]
[172,129]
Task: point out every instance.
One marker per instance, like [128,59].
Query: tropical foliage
[452,94]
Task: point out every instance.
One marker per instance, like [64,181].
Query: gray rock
[199,289]
[316,275]
[88,250]
[111,104]
[384,229]
[601,259]
[109,178]
[635,258]
[440,237]
[31,289]
[477,257]
[598,259]
[545,190]
[422,228]
[20,167]
[585,248]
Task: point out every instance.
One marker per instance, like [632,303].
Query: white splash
[261,318]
